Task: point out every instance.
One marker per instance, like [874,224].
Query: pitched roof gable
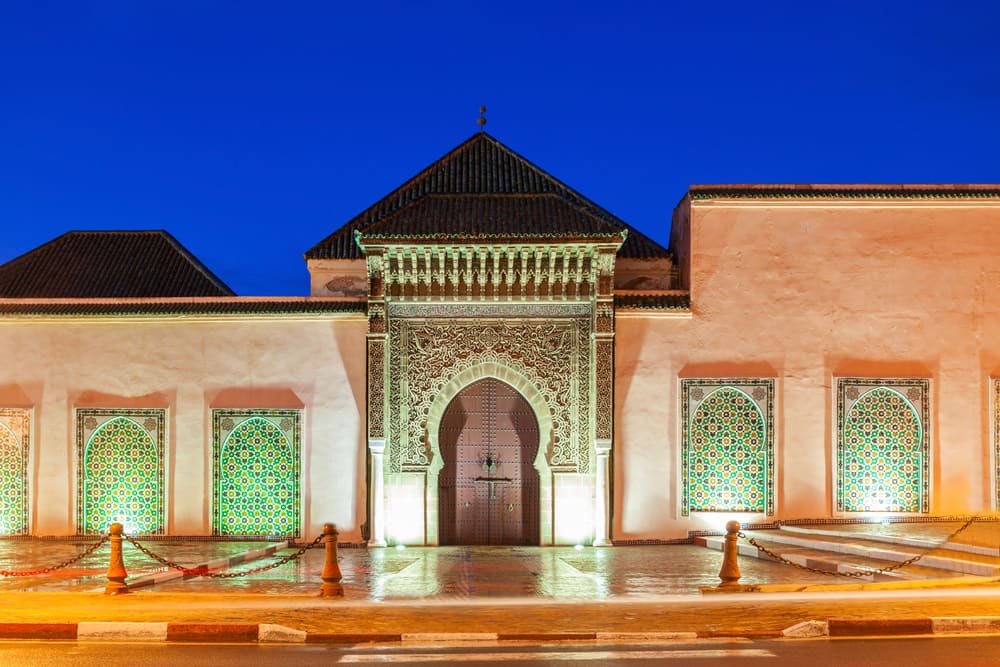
[482,187]
[109,264]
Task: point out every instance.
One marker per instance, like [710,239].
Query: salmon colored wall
[806,293]
[802,292]
[190,366]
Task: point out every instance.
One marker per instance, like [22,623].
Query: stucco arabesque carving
[429,352]
[376,388]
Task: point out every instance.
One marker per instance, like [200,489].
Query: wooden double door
[488,488]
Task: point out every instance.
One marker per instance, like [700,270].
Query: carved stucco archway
[537,314]
[553,354]
[543,415]
[544,351]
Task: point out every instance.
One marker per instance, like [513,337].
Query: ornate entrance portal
[485,269]
[488,488]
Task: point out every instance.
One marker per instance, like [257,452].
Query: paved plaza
[534,591]
[411,573]
[423,573]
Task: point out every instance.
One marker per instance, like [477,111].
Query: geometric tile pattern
[727,445]
[255,487]
[15,436]
[882,446]
[120,470]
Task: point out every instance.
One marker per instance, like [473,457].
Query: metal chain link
[203,571]
[857,573]
[66,563]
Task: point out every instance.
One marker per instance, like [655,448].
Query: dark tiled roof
[489,215]
[222,306]
[640,246]
[866,191]
[482,176]
[106,264]
[671,301]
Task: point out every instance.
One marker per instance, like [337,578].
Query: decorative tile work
[15,437]
[883,455]
[727,445]
[255,484]
[120,470]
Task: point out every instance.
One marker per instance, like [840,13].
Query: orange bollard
[116,567]
[729,573]
[331,568]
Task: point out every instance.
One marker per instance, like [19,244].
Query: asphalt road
[911,652]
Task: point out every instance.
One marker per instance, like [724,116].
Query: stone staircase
[853,548]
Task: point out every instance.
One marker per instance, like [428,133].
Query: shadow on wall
[256,397]
[21,396]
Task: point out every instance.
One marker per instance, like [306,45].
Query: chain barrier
[203,571]
[66,563]
[857,573]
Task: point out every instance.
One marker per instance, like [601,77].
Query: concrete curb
[894,627]
[270,633]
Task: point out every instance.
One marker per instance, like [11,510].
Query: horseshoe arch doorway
[488,489]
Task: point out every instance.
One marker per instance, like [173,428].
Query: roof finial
[481,121]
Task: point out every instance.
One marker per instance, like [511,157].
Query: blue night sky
[251,130]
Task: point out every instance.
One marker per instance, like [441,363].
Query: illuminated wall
[809,291]
[120,470]
[727,447]
[69,367]
[882,446]
[256,478]
[814,295]
[15,425]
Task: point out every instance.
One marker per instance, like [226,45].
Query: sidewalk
[216,617]
[416,573]
[510,593]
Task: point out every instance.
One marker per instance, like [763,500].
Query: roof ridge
[409,192]
[11,263]
[78,232]
[401,188]
[583,199]
[196,263]
[110,262]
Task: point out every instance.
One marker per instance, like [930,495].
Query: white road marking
[680,654]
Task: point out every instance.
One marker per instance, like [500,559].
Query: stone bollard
[116,567]
[729,573]
[331,568]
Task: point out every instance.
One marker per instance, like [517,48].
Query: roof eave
[874,191]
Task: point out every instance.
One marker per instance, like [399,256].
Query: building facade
[489,357]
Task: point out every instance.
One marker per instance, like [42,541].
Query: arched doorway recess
[488,489]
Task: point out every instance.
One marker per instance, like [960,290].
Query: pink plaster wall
[190,366]
[805,292]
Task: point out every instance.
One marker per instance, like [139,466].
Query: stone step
[917,542]
[953,556]
[854,550]
[830,562]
